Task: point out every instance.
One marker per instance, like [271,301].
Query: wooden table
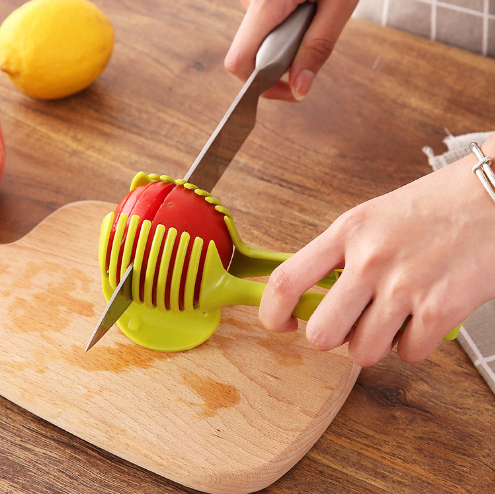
[383,96]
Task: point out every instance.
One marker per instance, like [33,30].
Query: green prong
[138,260]
[192,273]
[223,210]
[161,284]
[129,242]
[177,272]
[114,254]
[202,193]
[106,227]
[151,267]
[213,200]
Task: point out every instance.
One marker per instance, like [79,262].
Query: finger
[424,333]
[373,338]
[260,19]
[292,278]
[318,43]
[281,90]
[338,311]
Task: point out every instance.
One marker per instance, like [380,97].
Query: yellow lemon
[54,48]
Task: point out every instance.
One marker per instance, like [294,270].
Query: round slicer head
[167,241]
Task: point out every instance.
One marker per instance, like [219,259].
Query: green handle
[221,288]
[236,291]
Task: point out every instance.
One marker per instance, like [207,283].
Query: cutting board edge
[239,485]
[320,424]
[286,460]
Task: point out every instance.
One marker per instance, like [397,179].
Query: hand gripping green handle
[221,288]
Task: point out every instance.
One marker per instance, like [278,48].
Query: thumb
[318,43]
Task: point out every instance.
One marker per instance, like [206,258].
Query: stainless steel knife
[272,60]
[117,305]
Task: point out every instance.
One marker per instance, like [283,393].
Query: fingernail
[302,84]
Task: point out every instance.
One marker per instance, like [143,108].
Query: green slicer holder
[169,327]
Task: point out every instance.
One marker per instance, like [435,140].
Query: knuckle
[430,317]
[232,63]
[280,281]
[436,321]
[351,221]
[320,48]
[370,260]
[397,290]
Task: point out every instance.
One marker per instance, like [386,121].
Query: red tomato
[2,153]
[144,202]
[180,208]
[125,207]
[188,212]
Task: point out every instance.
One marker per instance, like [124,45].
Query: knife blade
[117,305]
[274,57]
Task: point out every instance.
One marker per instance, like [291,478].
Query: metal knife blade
[274,57]
[118,303]
[227,138]
[272,60]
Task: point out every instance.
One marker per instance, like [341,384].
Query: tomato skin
[2,153]
[125,207]
[173,206]
[146,207]
[189,212]
[143,203]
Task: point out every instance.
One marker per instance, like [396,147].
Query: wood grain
[379,100]
[231,416]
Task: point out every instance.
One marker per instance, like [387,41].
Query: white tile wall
[469,24]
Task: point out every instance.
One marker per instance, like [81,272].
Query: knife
[274,57]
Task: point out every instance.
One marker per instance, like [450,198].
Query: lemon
[54,48]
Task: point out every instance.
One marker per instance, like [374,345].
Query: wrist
[488,147]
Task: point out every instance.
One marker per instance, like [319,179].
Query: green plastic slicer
[168,327]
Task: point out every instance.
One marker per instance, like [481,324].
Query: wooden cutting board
[230,416]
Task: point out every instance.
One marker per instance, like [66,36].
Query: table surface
[381,98]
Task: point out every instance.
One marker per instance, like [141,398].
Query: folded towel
[477,335]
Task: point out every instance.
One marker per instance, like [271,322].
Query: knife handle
[279,48]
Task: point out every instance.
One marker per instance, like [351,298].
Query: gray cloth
[477,335]
[468,24]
